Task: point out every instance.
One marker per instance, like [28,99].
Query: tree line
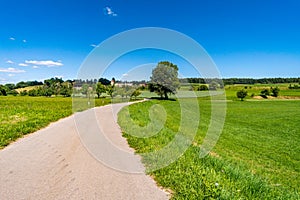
[104,87]
[231,81]
[83,88]
[164,81]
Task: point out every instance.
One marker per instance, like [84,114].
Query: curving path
[54,164]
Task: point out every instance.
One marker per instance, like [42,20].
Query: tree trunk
[166,96]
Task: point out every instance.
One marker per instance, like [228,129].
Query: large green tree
[164,79]
[66,89]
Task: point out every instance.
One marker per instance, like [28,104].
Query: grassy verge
[256,157]
[23,115]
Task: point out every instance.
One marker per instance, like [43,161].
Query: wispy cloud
[11,70]
[35,67]
[11,75]
[48,63]
[24,41]
[109,11]
[12,38]
[23,65]
[2,80]
[93,45]
[10,62]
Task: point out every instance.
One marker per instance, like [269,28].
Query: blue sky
[246,38]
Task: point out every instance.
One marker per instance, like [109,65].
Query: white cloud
[9,62]
[11,75]
[48,63]
[35,67]
[24,41]
[23,65]
[12,70]
[93,45]
[109,11]
[12,38]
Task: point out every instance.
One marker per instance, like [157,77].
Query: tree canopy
[164,79]
[242,94]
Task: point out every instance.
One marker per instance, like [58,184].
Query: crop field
[256,157]
[22,115]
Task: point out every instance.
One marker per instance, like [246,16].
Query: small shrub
[265,92]
[213,85]
[202,88]
[32,93]
[2,91]
[275,91]
[135,93]
[24,93]
[294,86]
[12,92]
[242,94]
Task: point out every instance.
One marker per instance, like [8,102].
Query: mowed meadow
[256,157]
[20,115]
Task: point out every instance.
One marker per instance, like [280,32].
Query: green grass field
[231,91]
[256,157]
[22,115]
[257,88]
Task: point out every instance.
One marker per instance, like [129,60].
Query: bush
[24,93]
[12,92]
[2,91]
[202,88]
[242,94]
[294,86]
[265,92]
[275,91]
[135,93]
[32,93]
[213,85]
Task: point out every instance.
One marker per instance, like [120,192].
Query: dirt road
[54,164]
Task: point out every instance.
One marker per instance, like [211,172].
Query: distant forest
[231,81]
[225,81]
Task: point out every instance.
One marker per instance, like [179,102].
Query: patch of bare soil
[279,97]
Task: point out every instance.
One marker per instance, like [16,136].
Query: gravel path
[54,164]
